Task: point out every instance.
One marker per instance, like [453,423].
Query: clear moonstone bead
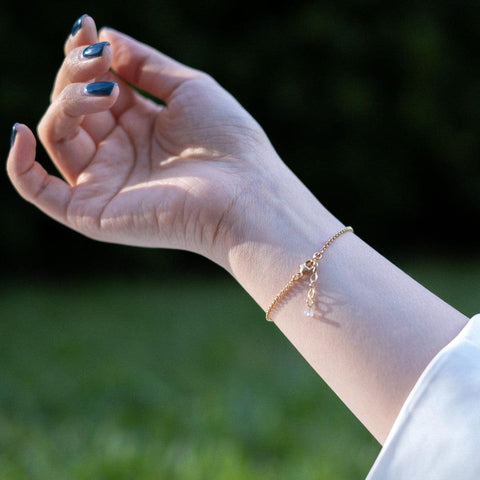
[308,312]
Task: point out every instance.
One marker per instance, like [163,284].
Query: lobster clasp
[306,267]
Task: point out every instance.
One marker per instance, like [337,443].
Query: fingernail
[102,89]
[95,50]
[78,24]
[13,134]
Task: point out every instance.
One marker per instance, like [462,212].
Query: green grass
[121,379]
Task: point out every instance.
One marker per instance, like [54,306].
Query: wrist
[278,228]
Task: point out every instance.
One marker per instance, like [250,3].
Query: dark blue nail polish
[13,134]
[78,24]
[101,89]
[95,50]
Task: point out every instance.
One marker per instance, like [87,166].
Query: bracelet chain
[309,267]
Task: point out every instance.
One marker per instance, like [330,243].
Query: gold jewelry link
[309,267]
[311,286]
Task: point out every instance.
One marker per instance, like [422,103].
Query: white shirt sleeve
[436,436]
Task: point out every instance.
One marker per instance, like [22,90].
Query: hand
[136,172]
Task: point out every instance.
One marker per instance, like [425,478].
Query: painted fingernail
[78,24]
[95,50]
[100,89]
[13,135]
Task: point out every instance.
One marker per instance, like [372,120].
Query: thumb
[49,193]
[144,67]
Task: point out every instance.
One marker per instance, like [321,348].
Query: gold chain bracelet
[310,267]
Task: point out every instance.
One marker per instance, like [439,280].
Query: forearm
[375,328]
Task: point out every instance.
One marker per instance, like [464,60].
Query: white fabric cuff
[436,435]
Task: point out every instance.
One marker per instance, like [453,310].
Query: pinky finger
[48,193]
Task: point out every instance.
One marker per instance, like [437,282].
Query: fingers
[69,145]
[50,194]
[78,117]
[145,67]
[85,57]
[83,64]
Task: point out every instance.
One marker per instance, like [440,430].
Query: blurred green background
[124,363]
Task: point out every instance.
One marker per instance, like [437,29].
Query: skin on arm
[198,173]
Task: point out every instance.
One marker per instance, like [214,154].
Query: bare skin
[198,173]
